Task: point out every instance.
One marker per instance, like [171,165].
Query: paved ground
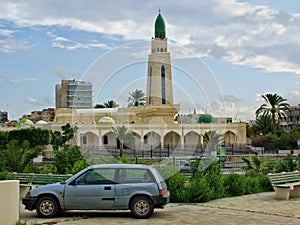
[249,209]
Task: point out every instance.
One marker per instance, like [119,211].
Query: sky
[225,53]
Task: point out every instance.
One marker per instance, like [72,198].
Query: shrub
[175,186]
[287,164]
[234,185]
[199,190]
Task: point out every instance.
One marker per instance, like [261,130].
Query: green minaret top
[160,27]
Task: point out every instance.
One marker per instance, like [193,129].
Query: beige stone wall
[9,204]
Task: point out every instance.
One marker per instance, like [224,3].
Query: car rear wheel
[141,207]
[47,207]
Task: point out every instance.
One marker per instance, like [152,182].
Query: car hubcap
[141,207]
[47,207]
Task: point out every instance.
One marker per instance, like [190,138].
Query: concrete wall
[9,202]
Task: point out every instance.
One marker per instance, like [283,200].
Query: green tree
[16,156]
[35,136]
[59,140]
[122,133]
[136,98]
[263,124]
[65,160]
[108,104]
[275,106]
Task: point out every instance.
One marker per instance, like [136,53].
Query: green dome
[160,27]
[206,118]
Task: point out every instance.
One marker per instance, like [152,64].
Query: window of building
[150,85]
[163,85]
[105,140]
[84,140]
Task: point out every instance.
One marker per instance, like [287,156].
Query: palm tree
[108,104]
[263,124]
[213,139]
[276,105]
[136,98]
[122,133]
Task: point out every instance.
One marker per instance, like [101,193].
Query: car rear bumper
[161,201]
[29,202]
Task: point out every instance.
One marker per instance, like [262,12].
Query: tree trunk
[273,123]
[121,149]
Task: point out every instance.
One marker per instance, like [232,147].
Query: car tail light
[161,192]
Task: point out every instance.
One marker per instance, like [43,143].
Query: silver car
[139,188]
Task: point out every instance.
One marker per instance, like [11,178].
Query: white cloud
[242,33]
[293,98]
[65,43]
[11,45]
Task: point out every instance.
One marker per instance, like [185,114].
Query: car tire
[141,207]
[47,207]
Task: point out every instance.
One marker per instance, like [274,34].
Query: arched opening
[133,143]
[105,140]
[151,141]
[150,85]
[109,141]
[230,138]
[192,140]
[172,140]
[90,141]
[163,85]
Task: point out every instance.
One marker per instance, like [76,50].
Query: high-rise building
[291,119]
[3,117]
[74,94]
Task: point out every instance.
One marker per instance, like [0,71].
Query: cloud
[231,98]
[8,80]
[11,46]
[34,102]
[244,34]
[68,44]
[293,98]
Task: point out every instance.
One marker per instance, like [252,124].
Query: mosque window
[157,49]
[84,140]
[163,85]
[165,49]
[105,140]
[161,49]
[145,139]
[150,85]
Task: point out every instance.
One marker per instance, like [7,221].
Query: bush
[200,190]
[175,186]
[287,164]
[234,185]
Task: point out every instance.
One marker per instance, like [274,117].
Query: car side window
[96,176]
[135,176]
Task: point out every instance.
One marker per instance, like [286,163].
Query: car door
[133,181]
[95,189]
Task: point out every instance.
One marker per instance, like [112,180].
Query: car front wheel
[141,207]
[47,207]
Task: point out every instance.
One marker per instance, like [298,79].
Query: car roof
[129,166]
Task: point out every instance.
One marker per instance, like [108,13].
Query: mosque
[153,124]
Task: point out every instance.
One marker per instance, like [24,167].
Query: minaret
[159,95]
[159,79]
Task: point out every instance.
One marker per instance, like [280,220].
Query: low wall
[9,204]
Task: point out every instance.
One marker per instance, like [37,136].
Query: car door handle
[107,188]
